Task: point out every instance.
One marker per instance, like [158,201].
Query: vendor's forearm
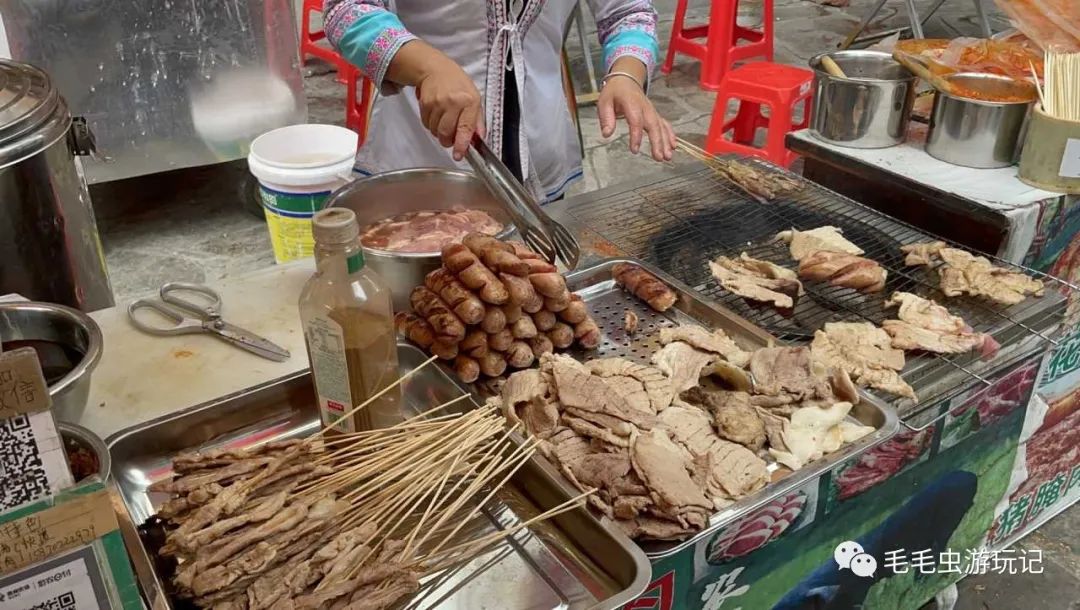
[632,66]
[414,61]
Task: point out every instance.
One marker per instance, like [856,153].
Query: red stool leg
[676,35]
[767,14]
[746,123]
[719,42]
[780,124]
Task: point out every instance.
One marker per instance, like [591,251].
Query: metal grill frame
[680,222]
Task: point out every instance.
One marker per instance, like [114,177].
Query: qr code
[22,474]
[64,601]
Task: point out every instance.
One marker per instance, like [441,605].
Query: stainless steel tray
[607,303]
[571,561]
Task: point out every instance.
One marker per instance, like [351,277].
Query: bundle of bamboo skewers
[763,186]
[346,521]
[1061,93]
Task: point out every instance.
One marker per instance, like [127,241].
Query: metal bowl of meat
[407,216]
[68,345]
[87,454]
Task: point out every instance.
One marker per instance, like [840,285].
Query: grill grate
[681,223]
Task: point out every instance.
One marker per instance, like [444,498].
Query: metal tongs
[539,231]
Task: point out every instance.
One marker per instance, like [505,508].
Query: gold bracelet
[618,73]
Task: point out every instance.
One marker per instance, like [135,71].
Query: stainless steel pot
[64,338]
[974,133]
[48,237]
[868,109]
[90,441]
[412,190]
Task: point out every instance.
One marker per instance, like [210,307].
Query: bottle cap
[335,226]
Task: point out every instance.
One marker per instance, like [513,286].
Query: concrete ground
[196,225]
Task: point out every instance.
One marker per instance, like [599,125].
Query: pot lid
[28,100]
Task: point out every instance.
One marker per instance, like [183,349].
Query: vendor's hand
[622,97]
[450,105]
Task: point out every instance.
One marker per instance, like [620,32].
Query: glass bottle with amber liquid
[348,321]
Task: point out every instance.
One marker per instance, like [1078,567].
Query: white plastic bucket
[297,168]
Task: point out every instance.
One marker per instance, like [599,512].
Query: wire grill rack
[679,224]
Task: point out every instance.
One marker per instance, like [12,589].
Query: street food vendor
[448,69]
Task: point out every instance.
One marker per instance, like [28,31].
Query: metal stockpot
[975,133]
[868,109]
[413,190]
[69,335]
[49,246]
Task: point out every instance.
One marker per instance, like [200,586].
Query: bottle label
[355,262]
[326,344]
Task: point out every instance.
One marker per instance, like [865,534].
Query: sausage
[524,328]
[587,334]
[474,274]
[523,252]
[559,303]
[520,355]
[544,320]
[575,312]
[493,365]
[540,345]
[444,350]
[550,285]
[496,255]
[494,320]
[431,307]
[644,286]
[467,369]
[414,328]
[512,313]
[464,303]
[562,335]
[533,305]
[539,265]
[501,340]
[475,344]
[520,289]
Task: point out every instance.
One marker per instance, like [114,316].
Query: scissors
[208,320]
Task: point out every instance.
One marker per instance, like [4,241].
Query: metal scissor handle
[211,312]
[182,325]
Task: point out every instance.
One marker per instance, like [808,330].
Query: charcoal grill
[681,222]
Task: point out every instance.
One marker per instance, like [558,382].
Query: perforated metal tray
[571,561]
[608,302]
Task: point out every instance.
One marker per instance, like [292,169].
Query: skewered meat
[865,352]
[644,286]
[414,328]
[925,325]
[757,280]
[474,274]
[716,342]
[496,255]
[921,254]
[965,273]
[844,270]
[437,313]
[464,303]
[827,238]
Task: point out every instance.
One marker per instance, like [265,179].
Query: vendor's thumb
[606,109]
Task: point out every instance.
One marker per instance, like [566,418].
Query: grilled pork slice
[965,273]
[925,325]
[921,254]
[757,280]
[827,238]
[843,270]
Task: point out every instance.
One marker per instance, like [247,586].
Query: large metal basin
[412,190]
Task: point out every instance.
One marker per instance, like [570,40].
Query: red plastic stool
[358,96]
[309,40]
[778,86]
[721,49]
